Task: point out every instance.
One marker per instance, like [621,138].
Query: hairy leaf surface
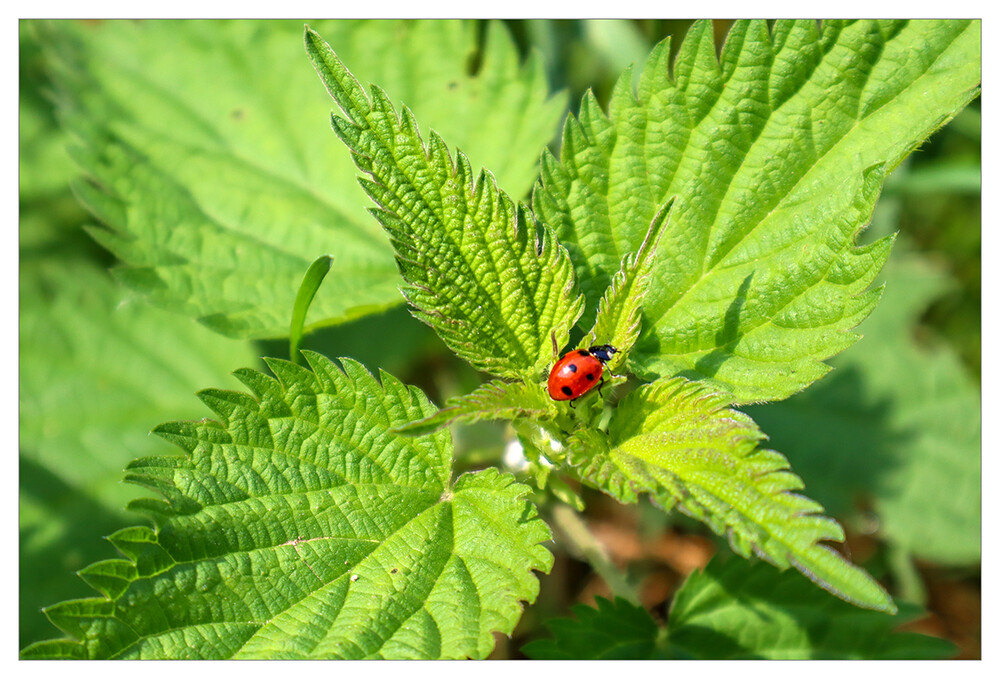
[899,424]
[776,152]
[299,527]
[478,269]
[681,444]
[619,313]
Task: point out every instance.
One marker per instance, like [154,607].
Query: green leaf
[48,215]
[897,424]
[930,502]
[775,152]
[619,313]
[618,321]
[43,167]
[734,609]
[476,268]
[737,610]
[617,630]
[299,527]
[490,401]
[96,371]
[315,274]
[208,158]
[680,443]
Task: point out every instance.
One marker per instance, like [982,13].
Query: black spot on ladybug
[572,368]
[567,391]
[584,352]
[590,377]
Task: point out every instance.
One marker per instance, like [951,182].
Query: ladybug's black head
[603,352]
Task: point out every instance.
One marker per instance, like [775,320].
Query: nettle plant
[705,227]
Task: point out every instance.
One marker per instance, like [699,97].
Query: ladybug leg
[572,404]
[599,385]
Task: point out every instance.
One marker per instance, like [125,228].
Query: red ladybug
[577,372]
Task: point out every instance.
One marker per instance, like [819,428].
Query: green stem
[909,583]
[307,290]
[582,542]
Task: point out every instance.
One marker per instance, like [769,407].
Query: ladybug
[577,372]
